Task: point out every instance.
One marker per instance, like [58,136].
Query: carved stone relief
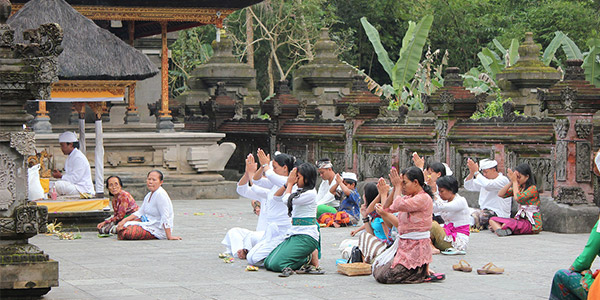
[30,219]
[583,152]
[8,181]
[567,97]
[561,127]
[571,195]
[375,162]
[7,225]
[349,158]
[542,169]
[336,157]
[441,127]
[583,128]
[561,160]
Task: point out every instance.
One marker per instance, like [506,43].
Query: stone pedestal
[42,125]
[131,117]
[165,124]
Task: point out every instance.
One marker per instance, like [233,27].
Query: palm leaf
[552,47]
[499,46]
[382,54]
[408,63]
[513,52]
[591,66]
[571,49]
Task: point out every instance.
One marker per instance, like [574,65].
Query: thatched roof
[90,52]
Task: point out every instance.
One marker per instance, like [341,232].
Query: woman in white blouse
[154,219]
[451,238]
[300,249]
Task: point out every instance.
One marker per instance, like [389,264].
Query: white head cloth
[67,137]
[349,176]
[448,171]
[485,164]
[324,164]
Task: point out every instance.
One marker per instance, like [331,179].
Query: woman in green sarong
[299,251]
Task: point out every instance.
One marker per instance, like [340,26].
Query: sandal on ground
[452,251]
[503,232]
[462,266]
[490,268]
[286,272]
[315,270]
[433,277]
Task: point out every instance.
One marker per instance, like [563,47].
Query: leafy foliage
[493,109]
[191,49]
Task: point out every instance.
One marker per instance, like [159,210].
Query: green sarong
[324,208]
[293,252]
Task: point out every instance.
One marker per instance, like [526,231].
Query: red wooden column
[164,114]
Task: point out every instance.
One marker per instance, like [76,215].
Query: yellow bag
[45,184]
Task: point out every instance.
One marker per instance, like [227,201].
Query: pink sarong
[452,231]
[517,226]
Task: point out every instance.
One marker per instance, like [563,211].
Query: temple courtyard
[105,268]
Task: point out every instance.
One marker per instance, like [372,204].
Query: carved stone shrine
[26,73]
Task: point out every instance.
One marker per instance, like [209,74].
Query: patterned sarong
[135,232]
[370,246]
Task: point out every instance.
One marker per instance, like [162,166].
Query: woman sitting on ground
[302,246]
[407,260]
[154,220]
[522,188]
[122,202]
[453,237]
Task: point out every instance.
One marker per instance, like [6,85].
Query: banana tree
[591,59]
[403,71]
[493,63]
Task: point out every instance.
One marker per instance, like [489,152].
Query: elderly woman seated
[122,202]
[154,220]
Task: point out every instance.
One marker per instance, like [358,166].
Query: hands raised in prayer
[473,166]
[418,161]
[251,166]
[292,178]
[339,179]
[383,187]
[263,158]
[395,178]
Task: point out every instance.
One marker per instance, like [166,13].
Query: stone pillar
[324,80]
[132,115]
[164,119]
[26,72]
[573,103]
[521,81]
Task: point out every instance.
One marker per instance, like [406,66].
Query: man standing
[485,179]
[326,202]
[77,177]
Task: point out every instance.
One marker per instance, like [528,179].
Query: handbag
[355,255]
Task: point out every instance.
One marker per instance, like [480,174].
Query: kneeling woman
[407,260]
[154,220]
[522,188]
[303,239]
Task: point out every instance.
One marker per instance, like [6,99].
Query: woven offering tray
[355,269]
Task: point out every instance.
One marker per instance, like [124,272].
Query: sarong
[437,237]
[293,252]
[370,246]
[567,285]
[399,274]
[135,232]
[517,226]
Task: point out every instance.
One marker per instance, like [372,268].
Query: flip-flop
[452,251]
[462,266]
[435,277]
[490,268]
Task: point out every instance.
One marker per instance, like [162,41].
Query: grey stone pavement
[105,268]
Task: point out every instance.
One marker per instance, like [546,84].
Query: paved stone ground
[105,268]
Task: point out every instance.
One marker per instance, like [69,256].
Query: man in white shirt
[326,201]
[78,176]
[485,179]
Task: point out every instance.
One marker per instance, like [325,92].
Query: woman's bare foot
[336,225]
[434,250]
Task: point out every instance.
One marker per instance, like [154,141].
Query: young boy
[349,210]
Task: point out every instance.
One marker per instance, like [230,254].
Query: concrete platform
[105,268]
